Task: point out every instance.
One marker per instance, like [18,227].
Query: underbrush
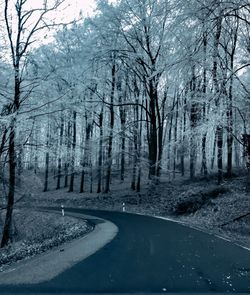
[193,200]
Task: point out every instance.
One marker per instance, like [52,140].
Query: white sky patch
[66,13]
[76,8]
[71,10]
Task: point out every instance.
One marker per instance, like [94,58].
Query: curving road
[151,255]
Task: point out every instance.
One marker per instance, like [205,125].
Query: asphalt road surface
[151,255]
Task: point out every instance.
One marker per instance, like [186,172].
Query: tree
[156,84]
[22,24]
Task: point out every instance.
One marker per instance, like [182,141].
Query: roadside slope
[47,266]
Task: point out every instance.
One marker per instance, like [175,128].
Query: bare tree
[22,24]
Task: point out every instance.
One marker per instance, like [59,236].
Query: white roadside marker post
[123,207]
[62,210]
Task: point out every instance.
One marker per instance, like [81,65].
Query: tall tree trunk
[19,165]
[99,185]
[230,135]
[193,123]
[6,236]
[153,140]
[68,145]
[230,101]
[59,167]
[138,184]
[204,169]
[170,128]
[47,159]
[213,152]
[135,154]
[175,134]
[236,144]
[110,140]
[3,142]
[220,153]
[219,128]
[72,175]
[135,135]
[36,167]
[46,171]
[86,156]
[123,122]
[91,176]
[183,148]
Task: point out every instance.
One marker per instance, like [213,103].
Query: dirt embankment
[35,232]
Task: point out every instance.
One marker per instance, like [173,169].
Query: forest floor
[219,209]
[35,232]
[222,210]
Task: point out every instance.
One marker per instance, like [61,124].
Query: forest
[142,91]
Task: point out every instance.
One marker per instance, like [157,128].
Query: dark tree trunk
[19,166]
[86,156]
[66,171]
[36,167]
[230,142]
[213,153]
[170,128]
[123,122]
[82,181]
[72,176]
[220,152]
[204,170]
[160,110]
[193,122]
[91,177]
[133,180]
[138,184]
[68,144]
[6,237]
[12,155]
[135,136]
[47,160]
[219,128]
[183,148]
[122,157]
[110,140]
[153,141]
[59,171]
[175,135]
[46,172]
[3,142]
[99,184]
[204,157]
[230,103]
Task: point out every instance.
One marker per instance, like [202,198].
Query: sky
[87,8]
[68,12]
